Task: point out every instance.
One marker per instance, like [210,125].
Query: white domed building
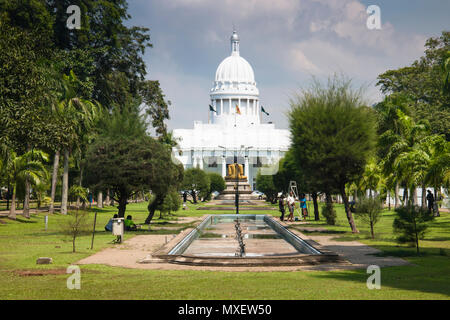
[234,128]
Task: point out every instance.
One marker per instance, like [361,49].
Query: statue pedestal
[244,189]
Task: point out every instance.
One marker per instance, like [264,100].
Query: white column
[224,167]
[247,168]
[221,106]
[201,162]
[230,104]
[248,112]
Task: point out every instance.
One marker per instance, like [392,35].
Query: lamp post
[237,153]
[243,148]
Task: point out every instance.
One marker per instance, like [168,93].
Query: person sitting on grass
[129,224]
[108,226]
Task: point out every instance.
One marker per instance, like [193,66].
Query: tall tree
[333,135]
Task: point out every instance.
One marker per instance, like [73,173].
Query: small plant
[76,225]
[369,211]
[411,223]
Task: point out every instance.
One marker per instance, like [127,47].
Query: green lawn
[22,241]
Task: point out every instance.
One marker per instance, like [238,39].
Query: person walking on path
[291,206]
[281,206]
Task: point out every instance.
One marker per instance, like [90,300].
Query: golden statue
[236,171]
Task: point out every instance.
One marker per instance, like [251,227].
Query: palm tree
[390,130]
[371,177]
[77,115]
[438,171]
[409,154]
[22,168]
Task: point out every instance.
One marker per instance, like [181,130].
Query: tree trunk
[54,181]
[122,206]
[397,200]
[80,184]
[347,210]
[65,184]
[371,230]
[316,206]
[107,200]
[100,199]
[9,196]
[12,210]
[26,203]
[414,196]
[388,199]
[424,197]
[152,208]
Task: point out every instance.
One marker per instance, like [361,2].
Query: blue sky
[286,42]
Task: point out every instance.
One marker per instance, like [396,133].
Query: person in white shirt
[291,206]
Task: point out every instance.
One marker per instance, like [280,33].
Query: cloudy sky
[286,42]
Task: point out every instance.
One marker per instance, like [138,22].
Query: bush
[411,223]
[329,213]
[369,211]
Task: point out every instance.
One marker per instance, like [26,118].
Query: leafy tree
[171,203]
[411,224]
[26,89]
[422,82]
[265,184]
[333,135]
[197,183]
[124,165]
[217,182]
[369,211]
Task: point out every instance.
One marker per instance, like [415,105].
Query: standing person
[430,199]
[291,206]
[303,206]
[281,206]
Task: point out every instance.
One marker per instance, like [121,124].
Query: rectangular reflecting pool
[261,235]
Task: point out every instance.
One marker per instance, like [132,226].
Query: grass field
[23,241]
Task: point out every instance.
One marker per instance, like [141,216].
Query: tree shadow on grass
[25,220]
[427,274]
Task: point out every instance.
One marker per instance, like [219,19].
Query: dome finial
[234,43]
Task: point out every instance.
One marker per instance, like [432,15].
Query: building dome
[235,69]
[234,74]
